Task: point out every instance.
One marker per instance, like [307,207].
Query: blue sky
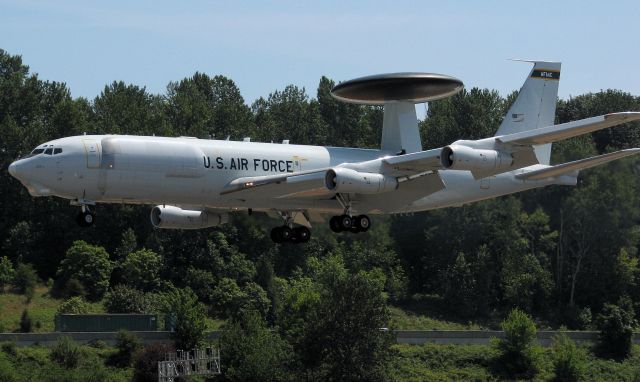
[264,46]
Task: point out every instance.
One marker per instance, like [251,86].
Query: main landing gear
[85,218]
[355,224]
[287,233]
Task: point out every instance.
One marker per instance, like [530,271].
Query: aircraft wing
[412,164]
[568,130]
[578,165]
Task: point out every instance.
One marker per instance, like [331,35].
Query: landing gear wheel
[362,222]
[346,222]
[276,235]
[301,234]
[285,233]
[85,219]
[334,224]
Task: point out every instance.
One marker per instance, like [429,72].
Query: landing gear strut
[85,218]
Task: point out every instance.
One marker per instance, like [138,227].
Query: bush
[74,305]
[127,344]
[615,324]
[517,356]
[26,324]
[9,348]
[125,299]
[145,361]
[25,280]
[568,359]
[66,353]
[6,272]
[189,316]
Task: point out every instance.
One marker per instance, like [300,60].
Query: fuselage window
[57,151]
[48,151]
[37,151]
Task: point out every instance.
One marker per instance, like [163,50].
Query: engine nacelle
[456,157]
[351,181]
[173,217]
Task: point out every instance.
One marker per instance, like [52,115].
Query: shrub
[66,352]
[25,280]
[9,348]
[145,361]
[26,324]
[127,344]
[97,344]
[568,359]
[6,272]
[125,299]
[189,316]
[615,324]
[74,305]
[517,357]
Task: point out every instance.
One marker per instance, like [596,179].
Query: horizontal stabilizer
[578,165]
[568,130]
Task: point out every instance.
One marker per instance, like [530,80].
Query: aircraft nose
[13,170]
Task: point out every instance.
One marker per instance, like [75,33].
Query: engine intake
[456,157]
[172,217]
[352,181]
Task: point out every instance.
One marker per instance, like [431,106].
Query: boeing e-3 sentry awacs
[195,183]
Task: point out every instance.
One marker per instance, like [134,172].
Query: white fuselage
[193,172]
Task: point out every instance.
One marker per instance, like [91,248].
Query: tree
[6,272]
[127,344]
[26,324]
[25,280]
[145,361]
[188,318]
[128,244]
[252,351]
[66,352]
[89,265]
[141,269]
[568,359]
[517,356]
[615,323]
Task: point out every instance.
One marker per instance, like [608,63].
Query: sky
[264,46]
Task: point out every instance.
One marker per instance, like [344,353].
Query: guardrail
[402,337]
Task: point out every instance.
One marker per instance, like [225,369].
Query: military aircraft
[195,183]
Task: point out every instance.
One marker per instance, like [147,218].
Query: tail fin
[535,106]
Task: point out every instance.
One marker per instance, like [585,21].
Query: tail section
[535,106]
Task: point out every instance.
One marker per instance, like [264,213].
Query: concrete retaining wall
[402,336]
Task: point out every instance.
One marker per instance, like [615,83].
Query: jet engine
[173,217]
[457,157]
[352,181]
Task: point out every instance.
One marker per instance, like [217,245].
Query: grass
[406,320]
[431,362]
[42,309]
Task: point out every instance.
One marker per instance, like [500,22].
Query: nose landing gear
[85,218]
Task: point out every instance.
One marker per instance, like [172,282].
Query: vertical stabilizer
[535,105]
[400,128]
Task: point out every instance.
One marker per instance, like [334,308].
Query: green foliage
[25,280]
[189,318]
[615,323]
[517,355]
[252,351]
[141,269]
[568,359]
[125,299]
[89,265]
[9,347]
[6,272]
[128,244]
[66,352]
[145,361]
[127,345]
[74,305]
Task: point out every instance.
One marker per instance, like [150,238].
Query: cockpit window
[37,151]
[57,150]
[48,151]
